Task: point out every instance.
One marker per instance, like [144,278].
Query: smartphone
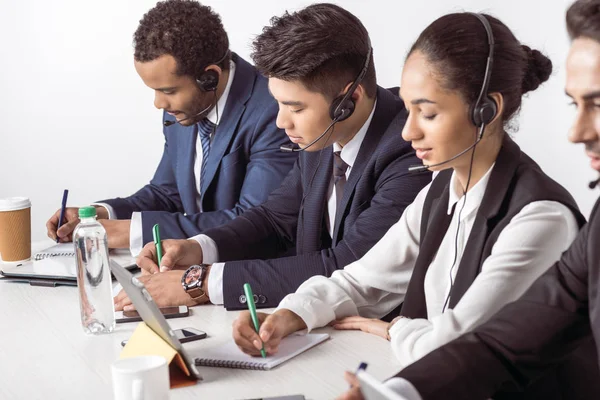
[184,335]
[167,312]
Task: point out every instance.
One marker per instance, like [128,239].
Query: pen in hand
[62,212]
[361,366]
[157,243]
[252,309]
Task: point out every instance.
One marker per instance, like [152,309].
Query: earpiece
[485,109]
[208,81]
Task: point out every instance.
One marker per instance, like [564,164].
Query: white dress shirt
[374,285]
[135,231]
[348,153]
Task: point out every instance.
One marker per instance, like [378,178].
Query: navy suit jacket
[244,165]
[377,191]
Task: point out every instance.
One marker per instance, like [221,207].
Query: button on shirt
[348,154]
[135,231]
[374,285]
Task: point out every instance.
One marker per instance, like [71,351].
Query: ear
[499,99]
[358,94]
[215,68]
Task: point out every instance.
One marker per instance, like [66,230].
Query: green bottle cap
[87,212]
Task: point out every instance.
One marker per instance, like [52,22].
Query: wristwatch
[192,281]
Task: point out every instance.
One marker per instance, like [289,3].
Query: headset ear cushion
[485,112]
[341,110]
[208,81]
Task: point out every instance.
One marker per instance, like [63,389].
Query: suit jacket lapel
[383,115]
[415,305]
[187,150]
[239,94]
[315,202]
[493,198]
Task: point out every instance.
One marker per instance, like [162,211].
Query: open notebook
[59,250]
[230,356]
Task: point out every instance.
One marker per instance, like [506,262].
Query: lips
[295,139]
[422,153]
[594,160]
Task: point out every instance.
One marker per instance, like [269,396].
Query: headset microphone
[419,168]
[291,148]
[593,184]
[171,122]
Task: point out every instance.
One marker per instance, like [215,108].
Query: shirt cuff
[215,283]
[109,209]
[403,388]
[210,254]
[314,312]
[136,240]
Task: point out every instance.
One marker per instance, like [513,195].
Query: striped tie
[205,129]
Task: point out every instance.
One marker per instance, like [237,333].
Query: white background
[74,114]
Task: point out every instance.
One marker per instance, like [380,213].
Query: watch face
[193,276]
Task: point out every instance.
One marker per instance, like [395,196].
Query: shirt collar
[212,115]
[349,152]
[475,195]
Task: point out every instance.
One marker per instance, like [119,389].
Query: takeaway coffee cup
[15,229]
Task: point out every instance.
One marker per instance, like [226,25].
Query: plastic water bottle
[93,274]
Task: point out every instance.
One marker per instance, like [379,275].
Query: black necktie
[339,177]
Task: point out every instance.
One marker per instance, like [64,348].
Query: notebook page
[290,347]
[66,249]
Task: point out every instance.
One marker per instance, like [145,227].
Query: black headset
[343,106]
[209,80]
[484,110]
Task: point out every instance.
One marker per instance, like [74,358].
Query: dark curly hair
[323,46]
[457,45]
[583,19]
[192,33]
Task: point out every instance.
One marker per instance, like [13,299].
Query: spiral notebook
[59,250]
[230,356]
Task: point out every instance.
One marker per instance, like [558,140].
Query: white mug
[140,378]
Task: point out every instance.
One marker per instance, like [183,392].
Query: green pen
[252,308]
[157,242]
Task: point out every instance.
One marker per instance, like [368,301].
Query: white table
[44,354]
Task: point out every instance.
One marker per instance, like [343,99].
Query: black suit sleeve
[395,189]
[524,340]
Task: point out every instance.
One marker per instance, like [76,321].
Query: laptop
[151,315]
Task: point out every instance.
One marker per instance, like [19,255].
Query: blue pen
[62,212]
[361,366]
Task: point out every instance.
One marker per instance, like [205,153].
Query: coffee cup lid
[14,203]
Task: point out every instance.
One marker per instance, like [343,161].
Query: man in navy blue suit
[344,192]
[221,153]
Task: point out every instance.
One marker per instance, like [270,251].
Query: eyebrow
[292,103]
[416,102]
[587,96]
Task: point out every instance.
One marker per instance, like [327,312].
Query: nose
[411,129]
[283,120]
[583,129]
[160,100]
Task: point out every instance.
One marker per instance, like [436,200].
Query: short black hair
[323,46]
[457,46]
[190,32]
[583,19]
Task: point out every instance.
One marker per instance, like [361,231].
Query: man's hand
[354,393]
[373,326]
[177,255]
[273,328]
[165,289]
[70,221]
[117,232]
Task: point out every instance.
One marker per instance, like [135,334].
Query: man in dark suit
[337,201]
[559,316]
[221,153]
